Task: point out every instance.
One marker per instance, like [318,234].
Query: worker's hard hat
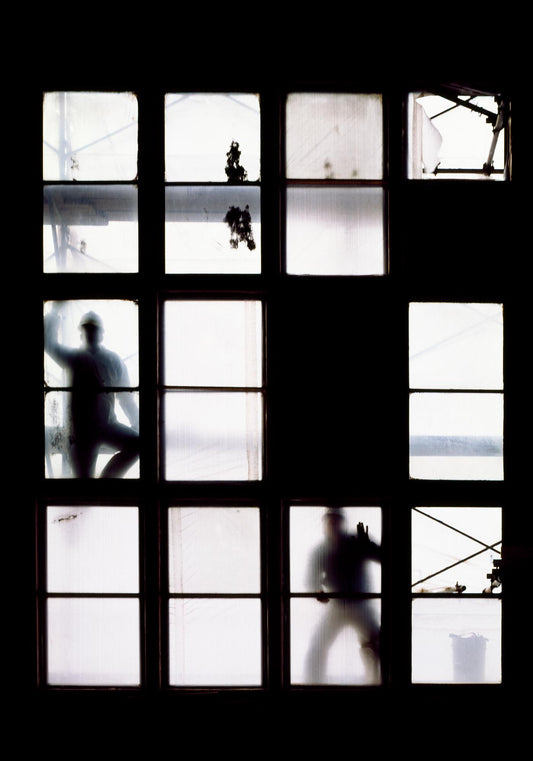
[334,512]
[91,318]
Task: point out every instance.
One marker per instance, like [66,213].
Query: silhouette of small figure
[94,372]
[339,565]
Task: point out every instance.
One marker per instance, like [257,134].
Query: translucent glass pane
[93,641]
[445,136]
[213,343]
[90,347]
[119,334]
[456,640]
[328,552]
[215,642]
[62,454]
[90,228]
[213,436]
[334,136]
[200,129]
[92,549]
[214,550]
[335,231]
[456,345]
[455,548]
[335,642]
[89,136]
[456,436]
[213,229]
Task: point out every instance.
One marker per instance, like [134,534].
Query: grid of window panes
[335,194]
[212,172]
[92,606]
[335,594]
[456,433]
[215,619]
[211,390]
[213,394]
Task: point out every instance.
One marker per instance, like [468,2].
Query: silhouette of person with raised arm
[94,373]
[339,566]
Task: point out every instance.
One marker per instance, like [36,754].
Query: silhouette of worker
[93,370]
[340,565]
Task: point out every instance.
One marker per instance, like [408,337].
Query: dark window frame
[150,286]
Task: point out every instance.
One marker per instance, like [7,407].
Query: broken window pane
[90,373]
[335,231]
[213,343]
[92,549]
[200,129]
[456,549]
[215,642]
[89,136]
[334,136]
[214,550]
[90,228]
[213,436]
[455,345]
[456,640]
[213,229]
[335,577]
[456,134]
[93,641]
[456,436]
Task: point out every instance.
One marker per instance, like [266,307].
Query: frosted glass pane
[90,347]
[89,136]
[456,346]
[93,642]
[214,550]
[335,231]
[315,548]
[455,546]
[456,640]
[335,642]
[213,436]
[200,129]
[444,137]
[91,228]
[92,549]
[334,136]
[215,642]
[120,334]
[213,343]
[456,436]
[213,229]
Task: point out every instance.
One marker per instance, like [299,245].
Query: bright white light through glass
[89,136]
[456,436]
[213,436]
[455,345]
[446,136]
[90,228]
[455,546]
[200,129]
[215,642]
[214,550]
[334,136]
[93,641]
[456,640]
[213,343]
[335,231]
[214,229]
[120,336]
[335,634]
[92,549]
